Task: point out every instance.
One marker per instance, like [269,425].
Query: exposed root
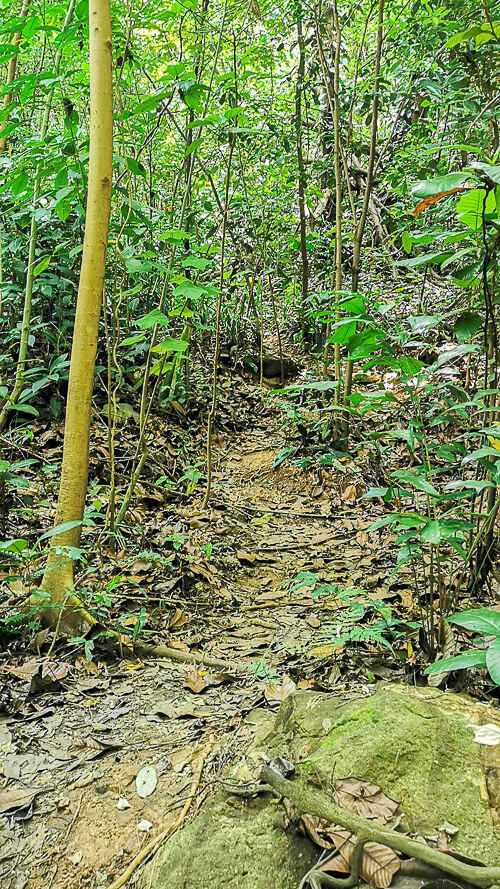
[313,802]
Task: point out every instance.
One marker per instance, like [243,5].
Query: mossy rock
[417,744]
[232,844]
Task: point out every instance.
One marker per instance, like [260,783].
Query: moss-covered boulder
[417,744]
[235,845]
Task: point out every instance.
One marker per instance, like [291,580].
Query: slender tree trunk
[58,577]
[11,73]
[360,228]
[300,164]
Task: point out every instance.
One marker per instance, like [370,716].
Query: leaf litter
[219,569]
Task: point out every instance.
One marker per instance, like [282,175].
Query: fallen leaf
[378,866]
[146,781]
[364,799]
[486,734]
[246,557]
[195,682]
[178,619]
[279,691]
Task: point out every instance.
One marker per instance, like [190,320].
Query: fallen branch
[152,847]
[187,657]
[313,802]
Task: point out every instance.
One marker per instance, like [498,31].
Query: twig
[152,847]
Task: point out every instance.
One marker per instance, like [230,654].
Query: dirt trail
[72,815]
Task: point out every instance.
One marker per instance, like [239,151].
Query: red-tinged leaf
[433,198]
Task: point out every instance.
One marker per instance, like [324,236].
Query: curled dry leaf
[364,799]
[379,863]
[246,557]
[276,692]
[178,619]
[195,682]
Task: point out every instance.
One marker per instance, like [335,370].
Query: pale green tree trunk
[58,577]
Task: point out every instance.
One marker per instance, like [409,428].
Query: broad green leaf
[193,147]
[459,662]
[416,481]
[479,620]
[407,242]
[195,262]
[131,340]
[171,345]
[493,661]
[472,205]
[431,533]
[41,266]
[428,187]
[59,529]
[19,184]
[467,325]
[492,172]
[415,261]
[153,318]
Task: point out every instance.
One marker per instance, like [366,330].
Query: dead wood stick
[152,847]
[187,657]
[313,802]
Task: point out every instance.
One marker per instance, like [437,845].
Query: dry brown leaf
[178,619]
[379,863]
[364,799]
[195,682]
[350,495]
[279,691]
[362,538]
[309,825]
[246,557]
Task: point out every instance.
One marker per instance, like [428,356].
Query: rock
[416,743]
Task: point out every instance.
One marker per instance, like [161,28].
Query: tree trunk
[58,578]
[11,73]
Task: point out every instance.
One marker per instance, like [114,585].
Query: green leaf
[459,662]
[153,318]
[407,242]
[19,184]
[195,262]
[416,481]
[467,325]
[171,345]
[428,187]
[193,147]
[471,206]
[59,529]
[479,620]
[41,266]
[134,166]
[490,171]
[431,533]
[434,258]
[131,340]
[493,661]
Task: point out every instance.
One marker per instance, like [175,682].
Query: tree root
[317,878]
[153,846]
[313,802]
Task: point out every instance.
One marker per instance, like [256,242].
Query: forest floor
[76,735]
